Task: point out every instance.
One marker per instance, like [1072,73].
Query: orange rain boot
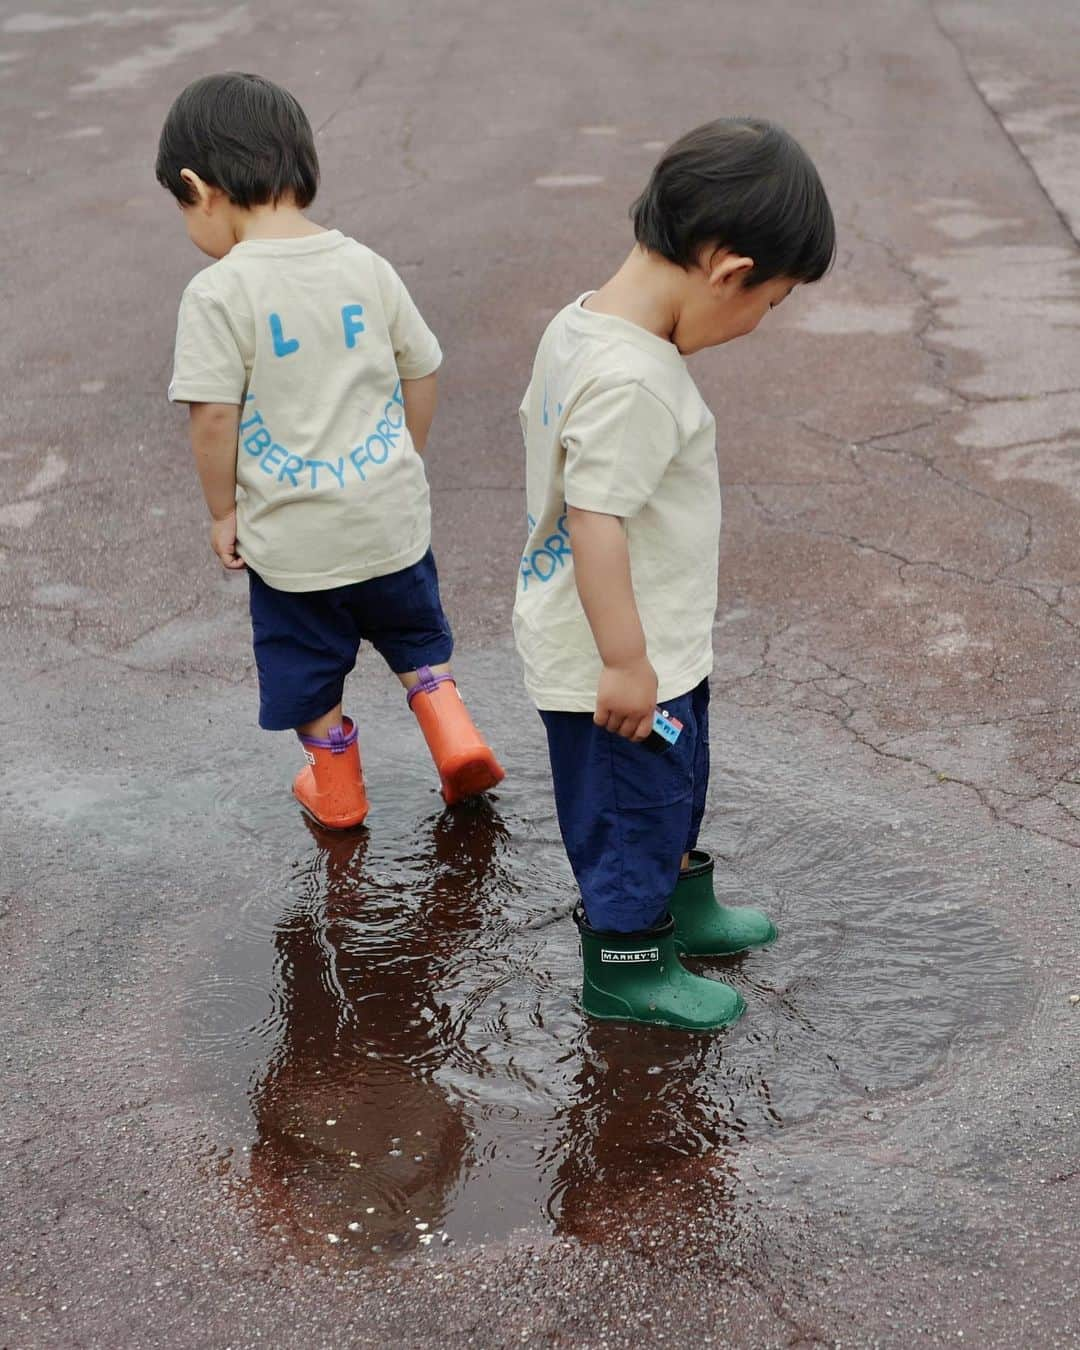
[463,758]
[330,787]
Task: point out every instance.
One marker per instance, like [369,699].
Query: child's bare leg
[321,725]
[410,679]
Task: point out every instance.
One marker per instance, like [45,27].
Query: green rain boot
[704,927]
[638,977]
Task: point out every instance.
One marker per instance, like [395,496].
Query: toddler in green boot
[617,587]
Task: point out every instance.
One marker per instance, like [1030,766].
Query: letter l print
[283,346]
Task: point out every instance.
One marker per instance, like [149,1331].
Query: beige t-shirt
[614,423]
[312,338]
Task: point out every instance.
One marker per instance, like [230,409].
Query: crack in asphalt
[826,83]
[932,9]
[777,519]
[844,715]
[354,90]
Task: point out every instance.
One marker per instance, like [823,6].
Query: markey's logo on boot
[618,958]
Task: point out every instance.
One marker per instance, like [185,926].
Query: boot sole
[660,1022]
[729,951]
[470,779]
[349,823]
[622,1014]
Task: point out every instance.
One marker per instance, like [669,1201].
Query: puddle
[380,1030]
[385,1025]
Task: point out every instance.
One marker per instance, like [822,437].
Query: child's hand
[223,542]
[626,699]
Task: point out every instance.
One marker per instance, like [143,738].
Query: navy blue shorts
[306,641]
[627,814]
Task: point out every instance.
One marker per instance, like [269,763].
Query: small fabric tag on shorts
[622,958]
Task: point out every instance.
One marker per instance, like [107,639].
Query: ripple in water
[400,1014]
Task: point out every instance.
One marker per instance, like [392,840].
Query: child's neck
[644,291]
[283,221]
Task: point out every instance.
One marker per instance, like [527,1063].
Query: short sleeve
[416,349]
[208,366]
[618,442]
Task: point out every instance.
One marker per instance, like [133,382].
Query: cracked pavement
[897,684]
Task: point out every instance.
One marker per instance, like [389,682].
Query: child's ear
[204,193]
[726,269]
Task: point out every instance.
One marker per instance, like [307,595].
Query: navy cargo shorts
[306,642]
[628,814]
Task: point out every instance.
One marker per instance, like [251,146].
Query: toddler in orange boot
[310,378]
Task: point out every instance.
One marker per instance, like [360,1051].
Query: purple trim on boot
[338,740]
[427,683]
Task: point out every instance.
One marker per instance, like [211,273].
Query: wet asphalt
[264,1085]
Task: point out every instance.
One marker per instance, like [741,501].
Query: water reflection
[418,988]
[356,1137]
[645,1125]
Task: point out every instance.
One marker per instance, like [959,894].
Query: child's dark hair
[743,184]
[242,134]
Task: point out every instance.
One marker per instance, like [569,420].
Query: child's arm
[419,398]
[214,428]
[626,695]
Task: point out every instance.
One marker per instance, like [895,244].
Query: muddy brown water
[384,1028]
